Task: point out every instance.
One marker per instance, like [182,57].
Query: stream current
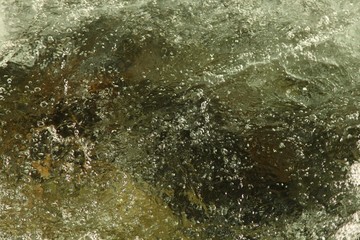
[213,119]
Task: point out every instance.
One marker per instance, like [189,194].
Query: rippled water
[179,120]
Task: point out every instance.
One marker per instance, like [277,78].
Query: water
[179,120]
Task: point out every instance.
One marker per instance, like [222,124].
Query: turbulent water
[213,119]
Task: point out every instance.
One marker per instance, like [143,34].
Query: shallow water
[179,120]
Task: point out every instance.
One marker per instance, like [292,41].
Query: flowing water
[162,119]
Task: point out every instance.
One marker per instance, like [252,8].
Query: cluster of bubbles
[226,119]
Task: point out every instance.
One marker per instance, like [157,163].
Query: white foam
[355,174]
[350,230]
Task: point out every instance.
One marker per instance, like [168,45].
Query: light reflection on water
[219,119]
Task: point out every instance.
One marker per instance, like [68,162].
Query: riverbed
[216,119]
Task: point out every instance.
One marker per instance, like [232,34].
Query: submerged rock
[191,150]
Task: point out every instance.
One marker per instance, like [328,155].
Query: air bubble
[43,104]
[50,39]
[40,124]
[18,136]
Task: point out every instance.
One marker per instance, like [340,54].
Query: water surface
[179,120]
